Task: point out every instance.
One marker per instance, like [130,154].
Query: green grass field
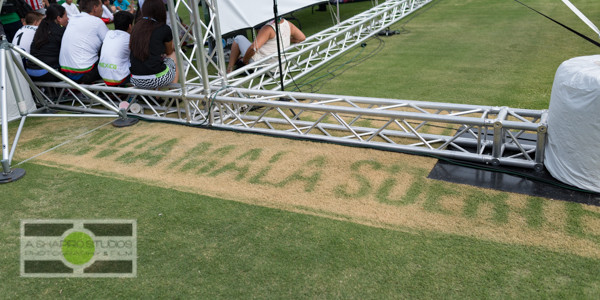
[493,52]
[207,247]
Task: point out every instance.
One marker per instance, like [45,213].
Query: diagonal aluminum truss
[322,47]
[205,66]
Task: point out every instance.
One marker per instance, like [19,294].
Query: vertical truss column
[195,36]
[542,136]
[176,25]
[499,136]
[193,68]
[204,33]
[214,29]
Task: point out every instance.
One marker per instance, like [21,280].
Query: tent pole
[276,21]
[7,175]
[4,108]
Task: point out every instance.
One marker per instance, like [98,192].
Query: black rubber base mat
[546,186]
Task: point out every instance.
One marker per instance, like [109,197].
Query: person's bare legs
[174,58]
[233,56]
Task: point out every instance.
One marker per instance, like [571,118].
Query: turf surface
[479,52]
[212,248]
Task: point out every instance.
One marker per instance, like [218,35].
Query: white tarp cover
[573,150]
[240,14]
[11,103]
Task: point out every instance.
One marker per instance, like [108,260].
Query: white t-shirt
[114,58]
[81,42]
[72,9]
[24,37]
[106,13]
[270,46]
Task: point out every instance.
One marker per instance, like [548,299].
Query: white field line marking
[64,143]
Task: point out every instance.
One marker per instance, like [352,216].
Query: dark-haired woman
[46,43]
[153,62]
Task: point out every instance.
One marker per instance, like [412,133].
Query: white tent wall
[240,14]
[11,102]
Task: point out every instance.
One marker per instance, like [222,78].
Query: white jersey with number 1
[24,37]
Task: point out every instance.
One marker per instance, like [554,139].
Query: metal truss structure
[247,99]
[484,134]
[494,135]
[204,67]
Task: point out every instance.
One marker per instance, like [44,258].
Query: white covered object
[11,104]
[573,149]
[240,14]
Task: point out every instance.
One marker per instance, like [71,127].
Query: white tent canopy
[240,14]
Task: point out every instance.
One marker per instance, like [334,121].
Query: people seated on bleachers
[124,5]
[81,43]
[153,61]
[71,8]
[24,35]
[114,58]
[264,44]
[107,12]
[46,43]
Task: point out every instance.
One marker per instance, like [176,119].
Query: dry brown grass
[383,189]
